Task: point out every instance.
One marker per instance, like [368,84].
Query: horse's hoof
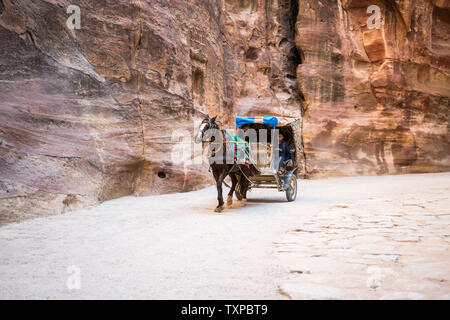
[243,201]
[229,201]
[219,209]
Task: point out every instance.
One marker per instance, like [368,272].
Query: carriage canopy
[267,120]
[293,124]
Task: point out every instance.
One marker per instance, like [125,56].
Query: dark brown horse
[222,162]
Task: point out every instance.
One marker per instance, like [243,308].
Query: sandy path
[174,246]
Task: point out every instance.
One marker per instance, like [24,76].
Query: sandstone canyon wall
[87,115]
[377,99]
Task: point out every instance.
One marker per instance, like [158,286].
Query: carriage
[262,152]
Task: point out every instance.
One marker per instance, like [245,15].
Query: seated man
[284,151]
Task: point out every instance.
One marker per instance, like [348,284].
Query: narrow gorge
[88,114]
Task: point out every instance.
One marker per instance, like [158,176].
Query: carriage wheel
[291,191]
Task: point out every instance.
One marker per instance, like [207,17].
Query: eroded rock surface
[88,114]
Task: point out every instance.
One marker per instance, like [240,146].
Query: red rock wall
[262,34]
[87,115]
[377,99]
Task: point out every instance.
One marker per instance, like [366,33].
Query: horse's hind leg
[232,189]
[237,190]
[244,191]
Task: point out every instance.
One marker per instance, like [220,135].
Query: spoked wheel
[291,191]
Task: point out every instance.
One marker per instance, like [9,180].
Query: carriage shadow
[261,200]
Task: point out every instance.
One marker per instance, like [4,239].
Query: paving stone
[300,269]
[308,229]
[396,248]
[383,257]
[445,297]
[406,238]
[311,291]
[324,265]
[370,248]
[343,206]
[439,271]
[419,286]
[403,296]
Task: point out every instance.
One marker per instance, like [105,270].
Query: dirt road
[362,237]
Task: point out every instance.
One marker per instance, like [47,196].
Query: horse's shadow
[237,207]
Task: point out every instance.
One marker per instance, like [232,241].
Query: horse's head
[206,127]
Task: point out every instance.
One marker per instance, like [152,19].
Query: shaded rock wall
[87,115]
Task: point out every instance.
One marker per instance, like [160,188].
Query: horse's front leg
[222,176]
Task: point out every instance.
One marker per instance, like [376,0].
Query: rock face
[88,114]
[377,99]
[262,36]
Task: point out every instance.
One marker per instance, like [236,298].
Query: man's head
[280,136]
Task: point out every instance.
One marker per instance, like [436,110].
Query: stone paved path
[390,247]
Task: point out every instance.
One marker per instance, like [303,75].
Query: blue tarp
[268,120]
[271,121]
[240,121]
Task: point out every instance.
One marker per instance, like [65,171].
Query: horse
[222,167]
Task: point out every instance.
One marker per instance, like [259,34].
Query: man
[284,151]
